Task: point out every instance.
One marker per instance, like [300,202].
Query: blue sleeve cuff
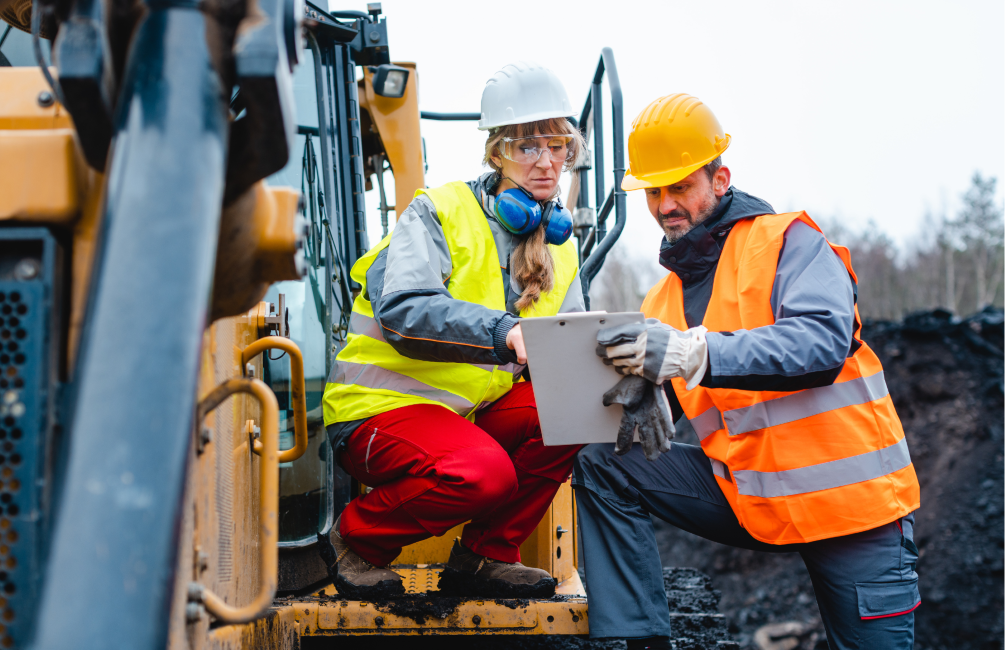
[505,324]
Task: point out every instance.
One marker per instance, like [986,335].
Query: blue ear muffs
[557,224]
[517,212]
[520,214]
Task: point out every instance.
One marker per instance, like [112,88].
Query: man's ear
[720,181]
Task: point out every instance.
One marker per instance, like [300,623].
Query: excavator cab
[182,197]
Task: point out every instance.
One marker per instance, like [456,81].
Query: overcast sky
[851,110]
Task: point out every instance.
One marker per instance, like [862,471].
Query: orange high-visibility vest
[795,466]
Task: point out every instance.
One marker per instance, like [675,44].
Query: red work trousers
[431,469]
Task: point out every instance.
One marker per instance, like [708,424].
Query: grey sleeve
[814,307]
[573,300]
[418,317]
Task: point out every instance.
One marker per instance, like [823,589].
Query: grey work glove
[656,351]
[645,407]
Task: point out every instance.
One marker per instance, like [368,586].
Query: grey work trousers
[866,585]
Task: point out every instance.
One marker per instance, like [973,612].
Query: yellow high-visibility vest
[369,377]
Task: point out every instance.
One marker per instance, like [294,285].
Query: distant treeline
[955,262]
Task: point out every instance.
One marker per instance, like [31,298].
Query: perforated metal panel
[26,394]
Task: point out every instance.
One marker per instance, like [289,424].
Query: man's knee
[593,464]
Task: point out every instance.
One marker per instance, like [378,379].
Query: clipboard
[568,377]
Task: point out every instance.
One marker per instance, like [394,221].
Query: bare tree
[980,228]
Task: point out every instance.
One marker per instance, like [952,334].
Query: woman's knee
[482,475]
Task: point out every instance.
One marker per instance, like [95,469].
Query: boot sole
[464,584]
[380,591]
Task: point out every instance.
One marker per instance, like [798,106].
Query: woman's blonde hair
[531,264]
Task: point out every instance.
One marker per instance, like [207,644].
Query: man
[754,336]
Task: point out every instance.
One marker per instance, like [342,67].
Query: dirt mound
[945,377]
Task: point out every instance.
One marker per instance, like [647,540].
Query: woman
[422,404]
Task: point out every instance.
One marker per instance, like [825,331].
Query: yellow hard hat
[674,136]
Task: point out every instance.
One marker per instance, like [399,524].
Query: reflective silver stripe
[707,423]
[804,404]
[379,378]
[366,461]
[362,324]
[512,368]
[824,476]
[719,469]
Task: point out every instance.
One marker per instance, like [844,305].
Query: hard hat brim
[631,182]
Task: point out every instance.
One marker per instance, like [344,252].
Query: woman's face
[539,177]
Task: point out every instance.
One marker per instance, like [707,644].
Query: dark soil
[945,377]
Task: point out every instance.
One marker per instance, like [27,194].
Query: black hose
[36,43]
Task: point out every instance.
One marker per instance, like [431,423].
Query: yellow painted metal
[219,544]
[38,175]
[85,236]
[325,614]
[268,496]
[44,179]
[274,218]
[298,391]
[261,312]
[547,550]
[19,107]
[397,121]
[277,630]
[435,550]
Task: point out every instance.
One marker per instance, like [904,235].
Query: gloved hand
[655,351]
[645,406]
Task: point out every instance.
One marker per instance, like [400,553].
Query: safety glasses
[530,149]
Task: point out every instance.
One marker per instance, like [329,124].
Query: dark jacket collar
[697,253]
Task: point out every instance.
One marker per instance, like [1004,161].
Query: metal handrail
[592,115]
[450,117]
[268,473]
[298,391]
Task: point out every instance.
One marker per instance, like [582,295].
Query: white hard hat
[520,93]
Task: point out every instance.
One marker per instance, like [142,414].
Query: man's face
[680,207]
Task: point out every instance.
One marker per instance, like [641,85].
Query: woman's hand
[514,341]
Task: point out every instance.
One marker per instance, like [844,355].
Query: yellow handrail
[298,390]
[268,473]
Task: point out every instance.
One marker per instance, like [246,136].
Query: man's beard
[675,233]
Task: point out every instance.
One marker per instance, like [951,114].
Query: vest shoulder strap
[476,274]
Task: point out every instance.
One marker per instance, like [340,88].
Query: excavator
[182,188]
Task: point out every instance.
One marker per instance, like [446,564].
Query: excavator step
[423,611]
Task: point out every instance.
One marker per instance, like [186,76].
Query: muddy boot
[470,574]
[353,576]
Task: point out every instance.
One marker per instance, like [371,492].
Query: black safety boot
[470,574]
[353,576]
